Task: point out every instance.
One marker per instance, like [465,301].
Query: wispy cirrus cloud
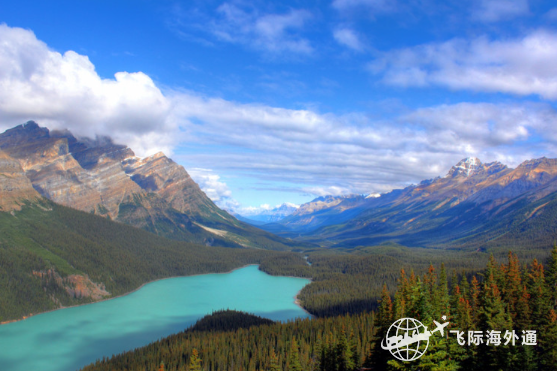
[349,38]
[499,10]
[521,66]
[373,5]
[305,149]
[237,23]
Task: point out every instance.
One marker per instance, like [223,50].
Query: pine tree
[493,316]
[512,290]
[274,362]
[344,355]
[195,361]
[551,278]
[378,357]
[549,356]
[294,357]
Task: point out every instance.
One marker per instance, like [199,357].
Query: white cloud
[271,33]
[326,191]
[64,90]
[521,66]
[214,188]
[497,10]
[349,38]
[322,153]
[551,14]
[374,5]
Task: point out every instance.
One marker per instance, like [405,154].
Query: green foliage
[275,347]
[41,245]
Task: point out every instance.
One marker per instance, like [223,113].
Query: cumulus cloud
[64,90]
[497,10]
[319,153]
[214,188]
[522,66]
[348,37]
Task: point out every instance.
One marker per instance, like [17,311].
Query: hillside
[475,206]
[107,179]
[53,256]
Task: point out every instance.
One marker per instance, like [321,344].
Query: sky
[265,102]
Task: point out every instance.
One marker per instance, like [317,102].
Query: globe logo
[407,339]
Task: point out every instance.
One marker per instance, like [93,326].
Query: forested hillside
[53,256]
[503,297]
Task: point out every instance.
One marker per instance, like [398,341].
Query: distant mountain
[271,215]
[475,205]
[107,179]
[325,210]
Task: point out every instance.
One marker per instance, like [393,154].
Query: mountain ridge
[107,179]
[471,198]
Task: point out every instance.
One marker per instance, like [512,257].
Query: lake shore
[296,300]
[119,296]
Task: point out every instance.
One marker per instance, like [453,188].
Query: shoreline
[296,300]
[119,296]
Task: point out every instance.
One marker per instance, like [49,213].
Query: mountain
[107,179]
[52,256]
[325,210]
[270,215]
[475,205]
[15,188]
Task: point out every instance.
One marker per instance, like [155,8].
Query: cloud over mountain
[312,151]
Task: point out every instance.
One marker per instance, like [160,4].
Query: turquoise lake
[68,339]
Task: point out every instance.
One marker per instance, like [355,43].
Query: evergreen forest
[508,296]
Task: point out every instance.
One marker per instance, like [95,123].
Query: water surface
[68,339]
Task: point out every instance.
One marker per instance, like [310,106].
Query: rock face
[105,178]
[160,175]
[15,187]
[97,184]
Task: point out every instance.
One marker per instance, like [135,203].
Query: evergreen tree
[274,362]
[493,317]
[552,277]
[344,355]
[294,357]
[195,361]
[378,357]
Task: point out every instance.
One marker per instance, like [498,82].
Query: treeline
[501,306]
[504,297]
[52,237]
[295,345]
[350,280]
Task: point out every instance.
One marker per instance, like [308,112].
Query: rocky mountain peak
[465,167]
[23,134]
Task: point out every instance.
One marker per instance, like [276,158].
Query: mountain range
[107,179]
[267,215]
[475,206]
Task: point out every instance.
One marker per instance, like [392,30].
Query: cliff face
[15,187]
[160,175]
[100,176]
[56,173]
[105,178]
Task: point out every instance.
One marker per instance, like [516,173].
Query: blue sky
[265,103]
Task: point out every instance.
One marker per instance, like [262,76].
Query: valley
[83,221]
